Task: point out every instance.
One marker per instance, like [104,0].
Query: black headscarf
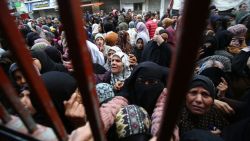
[60,86]
[214,73]
[158,54]
[54,54]
[138,92]
[46,63]
[31,37]
[223,39]
[205,82]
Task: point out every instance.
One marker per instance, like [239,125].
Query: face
[110,53]
[116,65]
[139,44]
[20,80]
[237,41]
[243,7]
[99,42]
[25,100]
[198,100]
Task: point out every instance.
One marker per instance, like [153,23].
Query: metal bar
[11,94]
[4,115]
[193,24]
[23,58]
[83,71]
[7,134]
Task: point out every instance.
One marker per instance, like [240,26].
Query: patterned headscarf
[132,120]
[104,92]
[126,70]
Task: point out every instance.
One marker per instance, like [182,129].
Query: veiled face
[116,65]
[198,100]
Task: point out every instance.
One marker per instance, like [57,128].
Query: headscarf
[131,24]
[136,51]
[144,85]
[54,54]
[39,46]
[60,86]
[46,63]
[223,39]
[141,27]
[133,124]
[31,37]
[111,38]
[122,76]
[214,74]
[224,60]
[205,82]
[104,92]
[107,65]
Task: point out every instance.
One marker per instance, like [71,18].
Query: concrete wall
[154,5]
[109,4]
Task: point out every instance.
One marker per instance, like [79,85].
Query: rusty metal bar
[7,134]
[12,96]
[193,24]
[83,71]
[4,115]
[24,60]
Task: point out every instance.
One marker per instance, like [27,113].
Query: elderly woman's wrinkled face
[116,65]
[198,100]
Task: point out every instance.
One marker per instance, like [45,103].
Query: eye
[205,94]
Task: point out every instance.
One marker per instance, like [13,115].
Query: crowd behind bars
[131,55]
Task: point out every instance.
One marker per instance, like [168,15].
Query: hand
[158,39]
[216,131]
[75,110]
[200,52]
[223,106]
[222,88]
[132,60]
[82,134]
[118,85]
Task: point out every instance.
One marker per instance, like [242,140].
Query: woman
[141,42]
[111,51]
[124,42]
[142,29]
[198,111]
[44,64]
[60,86]
[120,70]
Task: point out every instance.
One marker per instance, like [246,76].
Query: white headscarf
[126,70]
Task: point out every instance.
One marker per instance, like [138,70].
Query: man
[150,24]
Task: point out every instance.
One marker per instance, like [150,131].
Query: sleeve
[109,110]
[158,112]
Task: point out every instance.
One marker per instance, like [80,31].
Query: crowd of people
[131,55]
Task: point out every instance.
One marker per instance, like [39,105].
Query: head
[164,34]
[99,40]
[200,96]
[132,124]
[17,76]
[243,7]
[119,61]
[104,92]
[111,38]
[167,22]
[111,51]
